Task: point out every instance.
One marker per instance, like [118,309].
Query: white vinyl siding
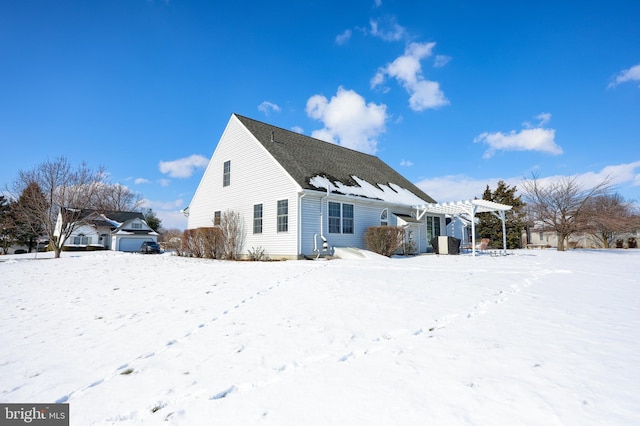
[257,179]
[366,213]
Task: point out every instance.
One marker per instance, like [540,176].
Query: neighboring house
[118,231]
[294,192]
[540,235]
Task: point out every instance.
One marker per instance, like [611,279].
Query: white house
[294,192]
[118,231]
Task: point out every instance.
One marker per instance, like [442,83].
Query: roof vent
[272,139]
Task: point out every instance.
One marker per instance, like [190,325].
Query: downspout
[300,197]
[322,237]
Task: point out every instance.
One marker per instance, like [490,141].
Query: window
[340,218]
[283,215]
[257,218]
[136,225]
[347,218]
[226,174]
[81,240]
[217,218]
[384,217]
[334,218]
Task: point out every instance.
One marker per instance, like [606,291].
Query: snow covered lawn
[534,338]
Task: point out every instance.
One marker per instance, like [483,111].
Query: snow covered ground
[534,338]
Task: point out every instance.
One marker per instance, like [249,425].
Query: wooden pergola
[469,208]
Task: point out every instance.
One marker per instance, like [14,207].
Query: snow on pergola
[470,208]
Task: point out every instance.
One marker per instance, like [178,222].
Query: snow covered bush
[384,240]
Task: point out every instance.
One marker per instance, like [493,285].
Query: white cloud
[458,187]
[406,163]
[618,173]
[266,107]
[377,3]
[297,129]
[631,74]
[164,182]
[348,120]
[168,212]
[139,181]
[386,29]
[529,139]
[462,187]
[441,60]
[164,205]
[537,139]
[426,94]
[407,70]
[543,118]
[183,167]
[343,37]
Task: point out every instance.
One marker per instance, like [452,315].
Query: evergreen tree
[490,225]
[6,224]
[27,224]
[152,220]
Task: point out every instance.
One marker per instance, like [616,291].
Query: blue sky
[455,95]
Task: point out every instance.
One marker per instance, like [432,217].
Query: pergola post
[474,209]
[504,231]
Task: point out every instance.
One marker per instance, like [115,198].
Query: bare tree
[608,216]
[233,234]
[116,198]
[66,191]
[560,205]
[172,239]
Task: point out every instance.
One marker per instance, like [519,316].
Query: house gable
[241,175]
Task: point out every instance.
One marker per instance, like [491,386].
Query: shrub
[257,254]
[234,234]
[384,240]
[632,242]
[203,242]
[189,243]
[410,247]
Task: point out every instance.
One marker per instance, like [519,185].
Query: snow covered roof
[316,165]
[390,193]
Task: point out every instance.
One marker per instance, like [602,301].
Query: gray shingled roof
[121,217]
[304,157]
